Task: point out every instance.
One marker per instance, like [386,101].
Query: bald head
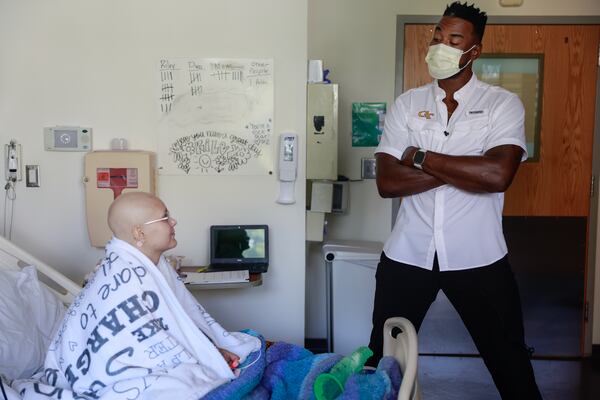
[143,221]
[131,209]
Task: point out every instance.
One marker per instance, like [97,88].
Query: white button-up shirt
[465,229]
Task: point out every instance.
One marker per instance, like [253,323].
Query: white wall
[357,41]
[94,63]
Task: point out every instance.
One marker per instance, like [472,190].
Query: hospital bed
[403,346]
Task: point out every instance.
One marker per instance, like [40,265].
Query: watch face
[419,157]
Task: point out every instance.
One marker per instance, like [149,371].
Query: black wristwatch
[419,158]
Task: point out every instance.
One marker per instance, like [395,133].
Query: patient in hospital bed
[135,331]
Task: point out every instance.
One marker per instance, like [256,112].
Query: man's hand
[232,359]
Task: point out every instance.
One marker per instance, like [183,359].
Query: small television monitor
[244,246]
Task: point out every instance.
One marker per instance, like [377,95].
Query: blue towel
[284,371]
[292,370]
[381,384]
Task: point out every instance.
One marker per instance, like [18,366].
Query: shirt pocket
[423,133]
[468,136]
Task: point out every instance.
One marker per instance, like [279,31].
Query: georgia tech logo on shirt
[425,114]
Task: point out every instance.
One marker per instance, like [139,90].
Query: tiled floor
[450,378]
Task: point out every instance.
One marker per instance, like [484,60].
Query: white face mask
[443,60]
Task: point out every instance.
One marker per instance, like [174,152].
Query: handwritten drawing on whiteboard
[216,116]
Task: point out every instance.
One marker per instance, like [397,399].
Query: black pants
[487,300]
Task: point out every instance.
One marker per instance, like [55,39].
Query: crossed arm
[489,173]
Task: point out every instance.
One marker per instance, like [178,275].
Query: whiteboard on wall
[216,116]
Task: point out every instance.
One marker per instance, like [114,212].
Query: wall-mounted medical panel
[108,174]
[68,138]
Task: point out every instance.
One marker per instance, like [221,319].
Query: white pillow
[30,315]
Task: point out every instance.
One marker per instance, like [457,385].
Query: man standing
[450,149]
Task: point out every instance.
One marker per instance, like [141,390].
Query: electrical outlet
[368,169]
[32,176]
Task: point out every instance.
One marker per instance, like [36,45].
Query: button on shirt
[465,229]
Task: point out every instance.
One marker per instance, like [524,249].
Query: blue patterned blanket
[285,371]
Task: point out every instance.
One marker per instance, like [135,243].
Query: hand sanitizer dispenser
[288,167]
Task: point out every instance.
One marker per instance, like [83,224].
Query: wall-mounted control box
[68,138]
[368,168]
[322,131]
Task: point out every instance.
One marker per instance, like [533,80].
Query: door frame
[402,20]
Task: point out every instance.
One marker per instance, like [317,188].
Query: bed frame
[403,347]
[13,257]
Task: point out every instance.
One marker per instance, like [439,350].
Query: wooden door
[555,189]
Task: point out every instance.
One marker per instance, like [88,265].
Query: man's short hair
[469,13]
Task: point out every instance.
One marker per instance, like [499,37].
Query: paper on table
[200,278]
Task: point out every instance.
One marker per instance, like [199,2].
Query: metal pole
[329,305]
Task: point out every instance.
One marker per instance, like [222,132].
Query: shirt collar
[461,94]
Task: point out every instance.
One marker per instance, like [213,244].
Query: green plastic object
[330,385]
